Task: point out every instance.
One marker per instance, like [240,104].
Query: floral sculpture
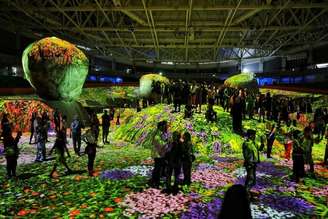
[55,68]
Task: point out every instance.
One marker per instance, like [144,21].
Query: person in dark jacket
[236,204]
[76,129]
[187,157]
[5,125]
[270,139]
[105,126]
[11,152]
[298,157]
[173,158]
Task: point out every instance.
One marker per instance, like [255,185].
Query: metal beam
[151,30]
[166,7]
[188,18]
[299,30]
[118,35]
[223,32]
[172,29]
[130,14]
[246,16]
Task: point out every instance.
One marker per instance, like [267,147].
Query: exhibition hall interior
[148,109]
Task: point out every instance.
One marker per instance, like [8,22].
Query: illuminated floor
[122,171]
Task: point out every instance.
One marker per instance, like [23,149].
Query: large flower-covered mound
[243,80]
[147,83]
[56,68]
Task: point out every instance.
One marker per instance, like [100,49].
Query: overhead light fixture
[322,65]
[160,73]
[84,47]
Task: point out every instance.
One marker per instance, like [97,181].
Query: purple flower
[217,147]
[286,203]
[189,126]
[226,159]
[2,151]
[270,169]
[203,210]
[116,174]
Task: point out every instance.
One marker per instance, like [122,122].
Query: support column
[283,63]
[261,66]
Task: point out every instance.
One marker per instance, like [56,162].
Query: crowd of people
[40,124]
[295,119]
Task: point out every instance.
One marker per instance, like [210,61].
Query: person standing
[76,129]
[237,114]
[298,157]
[251,158]
[90,150]
[40,140]
[11,152]
[187,157]
[173,159]
[95,125]
[270,140]
[159,149]
[57,120]
[32,128]
[193,90]
[307,145]
[5,125]
[105,126]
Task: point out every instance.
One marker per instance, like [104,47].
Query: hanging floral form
[55,68]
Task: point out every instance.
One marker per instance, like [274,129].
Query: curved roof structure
[173,31]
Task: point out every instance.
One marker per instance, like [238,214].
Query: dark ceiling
[172,31]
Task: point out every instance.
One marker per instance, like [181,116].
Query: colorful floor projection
[119,187]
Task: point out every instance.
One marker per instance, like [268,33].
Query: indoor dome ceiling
[173,31]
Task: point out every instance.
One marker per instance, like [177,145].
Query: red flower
[74,212]
[117,200]
[108,209]
[23,212]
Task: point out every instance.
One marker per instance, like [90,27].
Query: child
[11,152]
[308,144]
[90,150]
[251,158]
[173,158]
[187,157]
[60,147]
[298,157]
